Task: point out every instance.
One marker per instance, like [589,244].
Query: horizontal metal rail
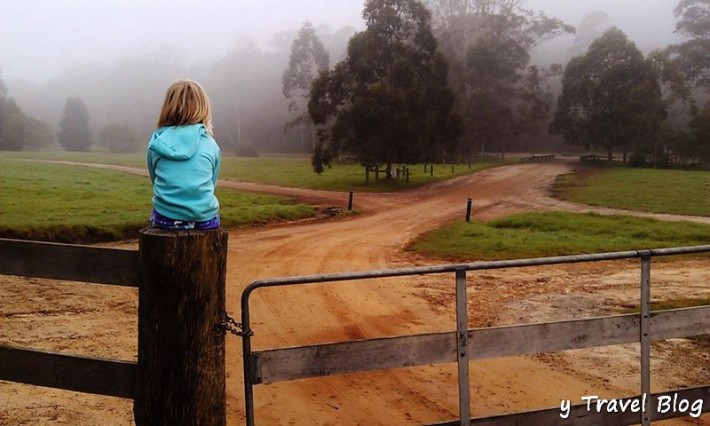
[475,266]
[277,361]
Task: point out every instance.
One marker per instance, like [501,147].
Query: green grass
[293,171]
[131,160]
[297,171]
[55,202]
[662,305]
[555,234]
[649,190]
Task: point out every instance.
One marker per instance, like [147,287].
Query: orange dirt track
[101,322]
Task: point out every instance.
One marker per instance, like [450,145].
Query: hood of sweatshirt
[177,143]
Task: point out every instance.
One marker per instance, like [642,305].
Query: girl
[183,161]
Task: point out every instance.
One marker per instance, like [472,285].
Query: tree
[37,134]
[4,113]
[700,135]
[119,138]
[12,132]
[487,44]
[74,133]
[308,58]
[388,101]
[17,131]
[692,56]
[610,96]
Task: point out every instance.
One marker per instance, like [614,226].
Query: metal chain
[231,326]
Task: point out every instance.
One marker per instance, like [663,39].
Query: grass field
[69,203]
[656,191]
[294,171]
[555,234]
[54,202]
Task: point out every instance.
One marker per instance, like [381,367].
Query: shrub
[119,138]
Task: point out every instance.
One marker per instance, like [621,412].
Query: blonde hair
[186,103]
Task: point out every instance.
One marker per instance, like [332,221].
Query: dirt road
[102,322]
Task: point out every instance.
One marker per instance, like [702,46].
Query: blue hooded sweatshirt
[183,162]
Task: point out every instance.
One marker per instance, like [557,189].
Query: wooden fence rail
[438,348]
[80,374]
[88,264]
[180,276]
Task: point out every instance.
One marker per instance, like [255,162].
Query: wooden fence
[169,269]
[538,158]
[172,269]
[464,345]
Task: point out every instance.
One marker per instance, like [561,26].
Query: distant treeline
[441,80]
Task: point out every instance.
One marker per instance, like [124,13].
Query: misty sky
[39,38]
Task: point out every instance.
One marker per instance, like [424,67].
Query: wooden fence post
[181,304]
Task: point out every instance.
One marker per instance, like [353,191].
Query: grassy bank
[294,171]
[649,190]
[554,234]
[54,202]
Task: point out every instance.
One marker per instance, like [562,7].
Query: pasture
[67,203]
[556,234]
[648,190]
[284,170]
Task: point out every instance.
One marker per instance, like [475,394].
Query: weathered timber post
[181,305]
[431,171]
[407,171]
[469,206]
[350,201]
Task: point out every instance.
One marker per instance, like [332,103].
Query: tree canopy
[74,133]
[308,58]
[119,138]
[500,96]
[388,101]
[692,56]
[18,131]
[610,96]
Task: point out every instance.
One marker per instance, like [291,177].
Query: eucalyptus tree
[388,101]
[692,59]
[611,96]
[488,44]
[308,58]
[693,55]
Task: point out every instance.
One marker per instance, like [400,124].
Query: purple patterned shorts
[157,220]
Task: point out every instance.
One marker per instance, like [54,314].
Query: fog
[120,55]
[40,37]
